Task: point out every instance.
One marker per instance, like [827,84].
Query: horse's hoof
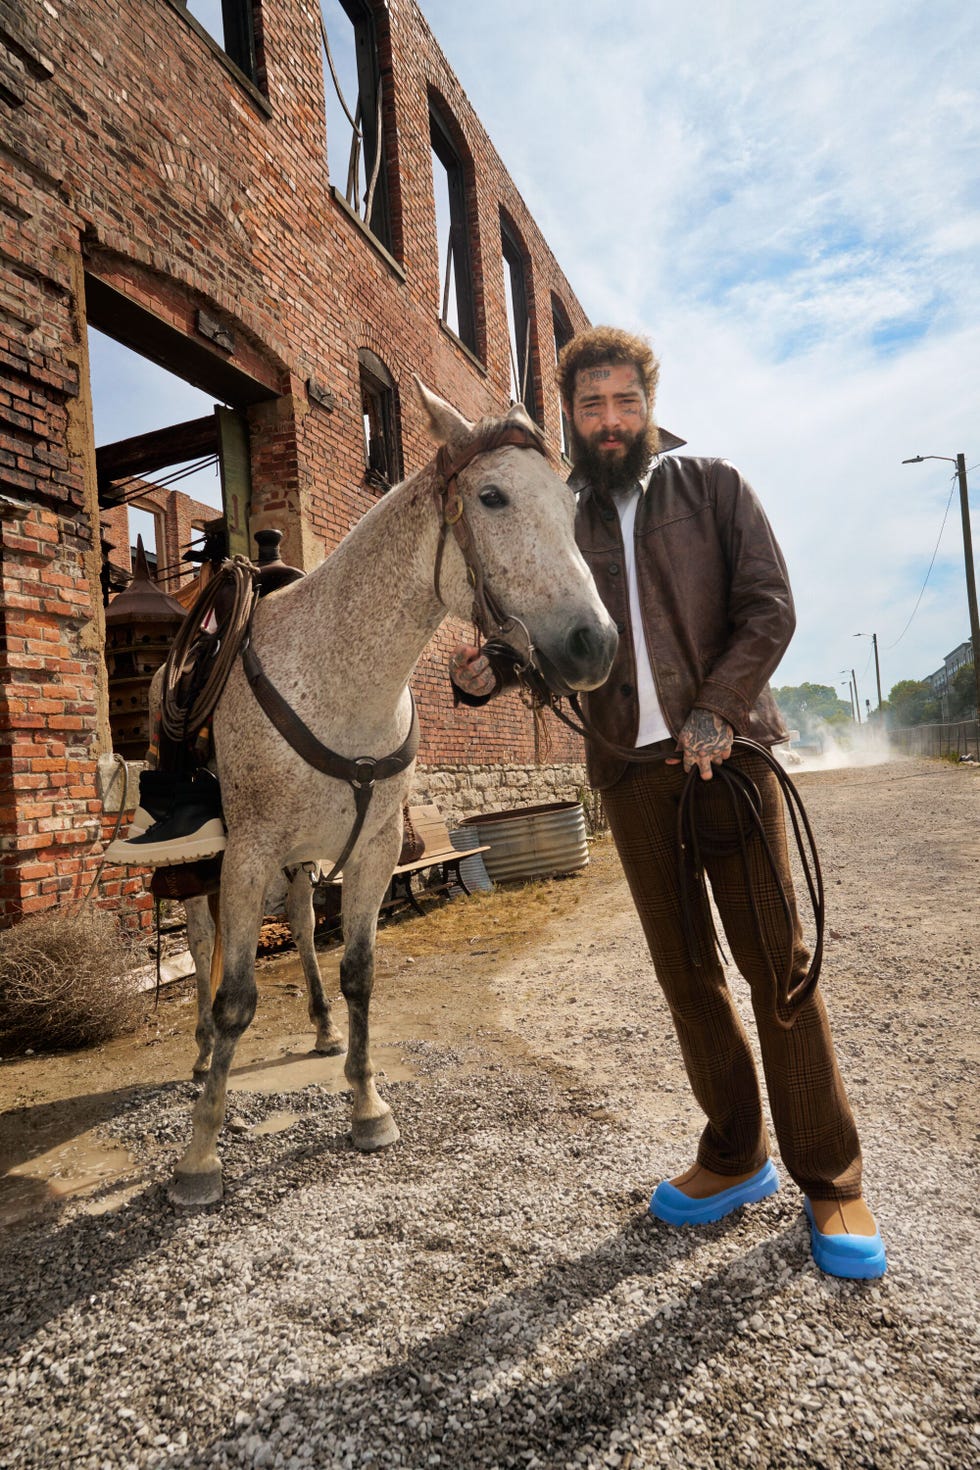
[330,1049]
[370,1134]
[194,1191]
[199,1071]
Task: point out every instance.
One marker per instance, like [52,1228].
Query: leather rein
[361,772]
[693,847]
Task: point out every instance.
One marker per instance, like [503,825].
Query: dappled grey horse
[485,530]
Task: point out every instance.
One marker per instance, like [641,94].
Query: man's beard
[615,472]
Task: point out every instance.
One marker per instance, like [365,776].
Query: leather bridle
[488,615]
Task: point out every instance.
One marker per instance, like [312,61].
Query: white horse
[485,528]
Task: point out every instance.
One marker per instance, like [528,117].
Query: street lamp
[852,691]
[971,581]
[874,645]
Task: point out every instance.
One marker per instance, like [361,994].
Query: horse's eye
[494,497]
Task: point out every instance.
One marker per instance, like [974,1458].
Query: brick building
[181,176]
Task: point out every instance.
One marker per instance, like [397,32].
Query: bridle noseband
[488,615]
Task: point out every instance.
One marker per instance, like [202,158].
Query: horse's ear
[518,414]
[446,423]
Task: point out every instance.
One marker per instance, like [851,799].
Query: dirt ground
[901,861]
[491,1293]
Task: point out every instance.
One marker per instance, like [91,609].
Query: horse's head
[512,560]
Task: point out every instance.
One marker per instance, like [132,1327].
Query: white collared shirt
[652,725]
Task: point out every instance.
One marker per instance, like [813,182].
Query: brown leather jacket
[717,607]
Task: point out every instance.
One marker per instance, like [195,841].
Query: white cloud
[786,200]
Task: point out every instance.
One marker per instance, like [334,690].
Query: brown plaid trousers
[813,1121]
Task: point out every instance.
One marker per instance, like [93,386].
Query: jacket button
[620,628]
[626,689]
[613,569]
[608,515]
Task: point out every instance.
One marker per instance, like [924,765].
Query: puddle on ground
[86,1166]
[82,1166]
[275,1123]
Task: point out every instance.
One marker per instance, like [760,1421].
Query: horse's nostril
[584,644]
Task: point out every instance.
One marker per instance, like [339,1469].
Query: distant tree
[803,704]
[912,702]
[962,693]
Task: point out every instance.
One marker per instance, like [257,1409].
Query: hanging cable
[935,553]
[143,485]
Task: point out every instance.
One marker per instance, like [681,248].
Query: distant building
[940,681]
[200,196]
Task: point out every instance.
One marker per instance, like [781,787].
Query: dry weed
[66,981]
[512,915]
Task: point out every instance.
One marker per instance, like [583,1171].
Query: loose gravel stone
[491,1292]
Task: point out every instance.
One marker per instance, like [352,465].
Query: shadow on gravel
[32,1130]
[104,1247]
[479,1390]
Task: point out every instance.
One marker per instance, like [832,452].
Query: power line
[144,484]
[935,553]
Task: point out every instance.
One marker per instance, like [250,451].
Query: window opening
[354,97]
[143,525]
[232,24]
[452,232]
[518,319]
[146,451]
[563,333]
[379,415]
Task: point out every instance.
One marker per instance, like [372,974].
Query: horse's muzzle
[583,659]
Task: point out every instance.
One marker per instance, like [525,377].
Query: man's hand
[705,740]
[470,671]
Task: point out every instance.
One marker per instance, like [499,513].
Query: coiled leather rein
[693,846]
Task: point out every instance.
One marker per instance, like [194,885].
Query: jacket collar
[668,442]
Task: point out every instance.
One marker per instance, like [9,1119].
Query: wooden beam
[144,453]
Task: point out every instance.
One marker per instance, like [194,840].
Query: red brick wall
[135,153]
[178,519]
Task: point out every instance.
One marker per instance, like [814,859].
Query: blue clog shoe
[856,1257]
[675,1208]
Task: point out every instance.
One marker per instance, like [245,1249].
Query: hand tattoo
[470,671]
[705,740]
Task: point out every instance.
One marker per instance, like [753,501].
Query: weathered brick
[230,214]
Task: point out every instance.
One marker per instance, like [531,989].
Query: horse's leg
[373,1126]
[299,910]
[197,1178]
[200,914]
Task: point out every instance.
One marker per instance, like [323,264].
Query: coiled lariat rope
[200,661]
[694,845]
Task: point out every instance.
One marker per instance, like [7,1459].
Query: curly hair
[601,345]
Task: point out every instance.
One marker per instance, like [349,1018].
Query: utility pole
[971,579]
[857,697]
[874,645]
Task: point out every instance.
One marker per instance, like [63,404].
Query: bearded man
[689,569]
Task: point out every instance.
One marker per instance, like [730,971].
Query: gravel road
[491,1292]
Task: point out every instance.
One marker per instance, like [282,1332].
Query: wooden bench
[438,852]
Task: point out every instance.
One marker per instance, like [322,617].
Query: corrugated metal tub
[532,841]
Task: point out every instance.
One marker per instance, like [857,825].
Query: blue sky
[786,200]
